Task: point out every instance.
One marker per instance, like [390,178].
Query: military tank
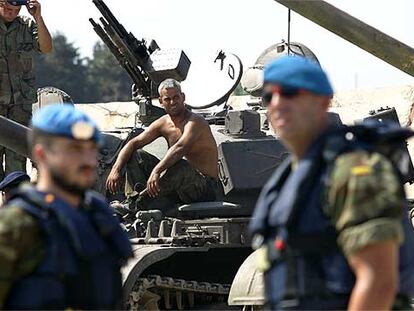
[201,258]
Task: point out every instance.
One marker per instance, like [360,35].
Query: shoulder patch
[361,170]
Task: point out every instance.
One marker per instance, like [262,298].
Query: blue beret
[298,72]
[13,180]
[65,120]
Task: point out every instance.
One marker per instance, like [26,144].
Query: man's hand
[33,6]
[153,187]
[113,182]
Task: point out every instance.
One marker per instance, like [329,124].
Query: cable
[288,37]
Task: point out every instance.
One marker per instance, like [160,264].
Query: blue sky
[246,28]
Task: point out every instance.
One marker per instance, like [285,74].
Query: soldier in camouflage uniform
[20,39]
[330,231]
[190,164]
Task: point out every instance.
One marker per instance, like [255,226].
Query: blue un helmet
[299,73]
[66,121]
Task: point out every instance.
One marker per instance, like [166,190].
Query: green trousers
[180,184]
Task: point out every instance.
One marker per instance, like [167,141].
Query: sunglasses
[17,2]
[285,92]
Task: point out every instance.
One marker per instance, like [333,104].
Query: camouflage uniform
[18,44]
[365,200]
[181,183]
[20,246]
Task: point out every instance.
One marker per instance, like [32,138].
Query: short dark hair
[37,136]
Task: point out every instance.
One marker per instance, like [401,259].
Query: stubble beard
[66,185]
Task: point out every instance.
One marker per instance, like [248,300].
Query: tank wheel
[164,293]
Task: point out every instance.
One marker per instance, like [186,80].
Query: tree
[99,79]
[64,69]
[110,81]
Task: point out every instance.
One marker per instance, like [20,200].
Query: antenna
[288,36]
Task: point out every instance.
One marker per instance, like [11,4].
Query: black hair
[37,136]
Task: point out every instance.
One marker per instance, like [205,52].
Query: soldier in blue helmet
[329,227]
[11,182]
[60,245]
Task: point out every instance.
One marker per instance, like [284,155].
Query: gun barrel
[133,72]
[13,136]
[106,39]
[107,14]
[355,31]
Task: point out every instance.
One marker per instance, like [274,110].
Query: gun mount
[144,61]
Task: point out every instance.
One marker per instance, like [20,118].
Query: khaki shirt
[365,201]
[18,45]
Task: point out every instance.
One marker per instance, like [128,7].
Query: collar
[320,140]
[14,24]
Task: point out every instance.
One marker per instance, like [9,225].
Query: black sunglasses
[284,92]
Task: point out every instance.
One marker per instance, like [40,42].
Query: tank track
[156,292]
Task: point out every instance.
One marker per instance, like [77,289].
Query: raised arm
[45,40]
[113,181]
[192,132]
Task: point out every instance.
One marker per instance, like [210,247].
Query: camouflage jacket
[21,247]
[365,200]
[18,44]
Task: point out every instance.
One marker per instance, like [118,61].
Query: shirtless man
[190,164]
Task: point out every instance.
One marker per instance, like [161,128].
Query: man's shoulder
[362,163]
[25,21]
[193,118]
[197,117]
[365,179]
[13,218]
[160,121]
[197,120]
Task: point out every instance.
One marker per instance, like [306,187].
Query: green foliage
[109,80]
[99,79]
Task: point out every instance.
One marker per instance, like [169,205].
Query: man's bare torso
[202,153]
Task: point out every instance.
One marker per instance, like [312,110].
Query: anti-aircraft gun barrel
[13,136]
[106,12]
[355,31]
[114,50]
[144,61]
[129,51]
